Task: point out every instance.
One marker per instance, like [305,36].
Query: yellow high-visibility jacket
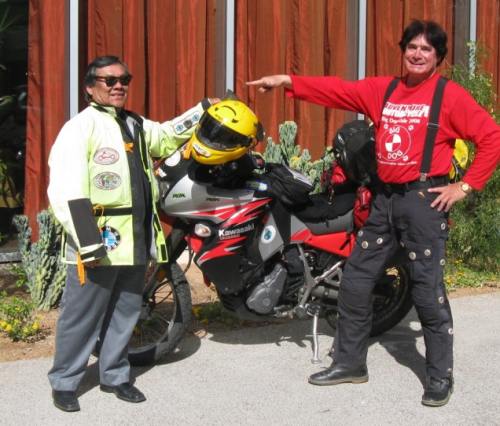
[90,189]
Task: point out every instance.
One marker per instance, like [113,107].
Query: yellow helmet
[226,131]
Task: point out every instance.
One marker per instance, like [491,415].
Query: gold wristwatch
[465,187]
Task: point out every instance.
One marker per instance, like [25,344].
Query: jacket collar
[111,110]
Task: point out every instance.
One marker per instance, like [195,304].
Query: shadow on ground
[400,342]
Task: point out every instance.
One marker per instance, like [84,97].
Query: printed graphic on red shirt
[396,139]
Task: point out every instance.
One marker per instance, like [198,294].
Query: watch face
[466,188]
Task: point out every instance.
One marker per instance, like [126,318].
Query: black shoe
[437,392]
[65,400]
[337,374]
[126,392]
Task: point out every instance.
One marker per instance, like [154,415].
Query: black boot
[437,392]
[337,374]
[65,400]
[125,392]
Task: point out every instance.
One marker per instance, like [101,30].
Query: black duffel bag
[291,187]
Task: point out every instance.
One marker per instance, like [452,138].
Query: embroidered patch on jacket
[107,181]
[106,156]
[110,238]
[185,122]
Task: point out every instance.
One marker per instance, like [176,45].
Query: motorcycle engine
[280,286]
[264,297]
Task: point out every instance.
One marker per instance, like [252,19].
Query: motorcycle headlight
[201,230]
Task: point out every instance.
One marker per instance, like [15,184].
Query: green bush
[475,232]
[17,318]
[458,275]
[44,272]
[475,229]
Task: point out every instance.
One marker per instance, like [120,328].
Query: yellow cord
[80,270]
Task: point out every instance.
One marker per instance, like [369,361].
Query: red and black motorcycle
[270,250]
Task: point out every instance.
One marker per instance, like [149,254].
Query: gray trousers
[398,219]
[106,307]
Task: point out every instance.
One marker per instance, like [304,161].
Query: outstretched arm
[269,82]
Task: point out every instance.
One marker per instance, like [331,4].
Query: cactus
[45,273]
[287,152]
[272,152]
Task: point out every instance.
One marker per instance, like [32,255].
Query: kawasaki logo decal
[230,233]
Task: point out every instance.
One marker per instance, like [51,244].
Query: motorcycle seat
[320,208]
[322,216]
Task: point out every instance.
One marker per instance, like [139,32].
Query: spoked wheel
[165,315]
[391,301]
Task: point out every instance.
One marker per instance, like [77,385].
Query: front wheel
[391,301]
[165,315]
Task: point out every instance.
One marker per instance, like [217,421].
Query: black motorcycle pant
[402,219]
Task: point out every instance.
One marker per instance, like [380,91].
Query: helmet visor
[217,136]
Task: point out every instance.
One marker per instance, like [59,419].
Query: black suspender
[390,89]
[432,126]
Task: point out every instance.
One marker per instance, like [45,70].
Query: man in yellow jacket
[103,191]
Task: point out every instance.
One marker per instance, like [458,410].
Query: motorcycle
[266,257]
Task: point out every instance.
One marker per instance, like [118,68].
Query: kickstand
[315,345]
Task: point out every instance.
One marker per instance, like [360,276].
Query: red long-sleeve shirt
[401,128]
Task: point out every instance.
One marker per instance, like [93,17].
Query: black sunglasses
[111,81]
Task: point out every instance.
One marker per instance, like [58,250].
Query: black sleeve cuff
[96,254]
[205,103]
[82,216]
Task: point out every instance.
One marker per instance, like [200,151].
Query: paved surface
[257,376]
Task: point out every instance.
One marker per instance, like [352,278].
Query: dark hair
[433,33]
[89,79]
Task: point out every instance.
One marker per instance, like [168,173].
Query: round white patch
[268,234]
[110,237]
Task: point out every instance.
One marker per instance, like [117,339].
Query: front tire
[391,299]
[165,316]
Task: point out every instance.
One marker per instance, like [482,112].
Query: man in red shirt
[410,209]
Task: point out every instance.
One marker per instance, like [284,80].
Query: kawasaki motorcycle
[267,257]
